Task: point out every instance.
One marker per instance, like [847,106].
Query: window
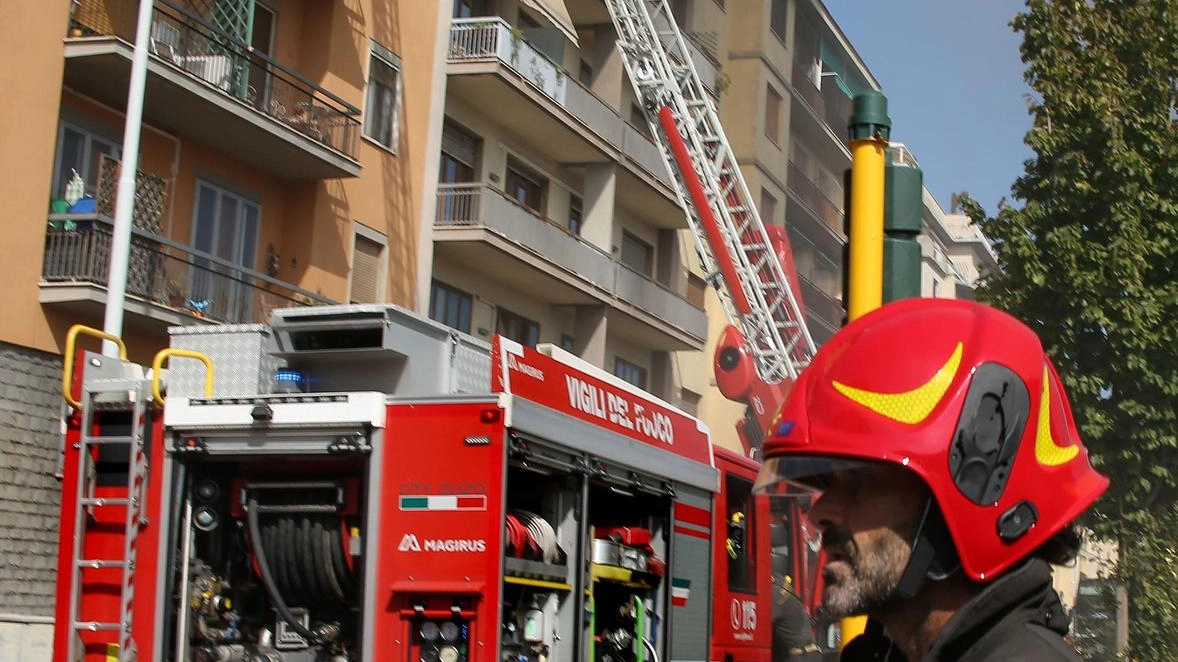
[772,114]
[630,372]
[450,306]
[575,215]
[466,9]
[384,90]
[697,289]
[262,43]
[777,18]
[460,148]
[81,151]
[741,514]
[517,327]
[567,342]
[524,187]
[227,226]
[638,120]
[456,203]
[636,254]
[368,250]
[768,207]
[585,73]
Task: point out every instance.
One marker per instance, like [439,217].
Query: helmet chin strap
[933,554]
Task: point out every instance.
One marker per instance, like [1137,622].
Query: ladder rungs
[95,626]
[105,501]
[101,563]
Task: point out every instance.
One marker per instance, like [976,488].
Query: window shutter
[458,144]
[365,270]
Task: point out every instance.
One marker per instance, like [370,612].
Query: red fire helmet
[963,395]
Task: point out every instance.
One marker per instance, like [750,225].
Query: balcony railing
[189,42]
[473,39]
[813,198]
[803,82]
[652,296]
[705,66]
[491,38]
[479,205]
[645,153]
[78,250]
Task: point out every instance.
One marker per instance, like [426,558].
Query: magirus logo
[410,543]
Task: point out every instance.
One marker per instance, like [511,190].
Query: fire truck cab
[363,484]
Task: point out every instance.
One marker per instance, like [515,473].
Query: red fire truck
[364,484]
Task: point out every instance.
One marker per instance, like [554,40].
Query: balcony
[167,283]
[206,85]
[514,84]
[493,235]
[814,200]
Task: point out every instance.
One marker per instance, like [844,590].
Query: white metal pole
[120,256]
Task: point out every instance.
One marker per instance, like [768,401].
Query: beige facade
[790,74]
[555,218]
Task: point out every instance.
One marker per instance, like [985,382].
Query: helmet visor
[803,474]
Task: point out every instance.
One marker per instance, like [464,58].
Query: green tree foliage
[1090,260]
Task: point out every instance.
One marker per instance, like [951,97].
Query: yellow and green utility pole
[885,218]
[869,129]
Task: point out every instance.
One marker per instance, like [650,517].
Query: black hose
[268,579]
[320,543]
[315,582]
[290,546]
[336,550]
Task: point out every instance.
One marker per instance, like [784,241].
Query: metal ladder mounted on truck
[729,234]
[758,357]
[761,300]
[115,386]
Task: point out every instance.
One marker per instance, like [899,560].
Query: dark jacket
[793,639]
[1018,617]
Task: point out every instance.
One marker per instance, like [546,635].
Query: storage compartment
[627,565]
[269,560]
[540,531]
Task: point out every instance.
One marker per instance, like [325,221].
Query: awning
[557,14]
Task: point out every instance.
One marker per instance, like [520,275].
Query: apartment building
[283,161]
[555,218]
[789,75]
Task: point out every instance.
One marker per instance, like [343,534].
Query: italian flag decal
[679,590]
[443,502]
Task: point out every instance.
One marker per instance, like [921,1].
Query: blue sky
[953,78]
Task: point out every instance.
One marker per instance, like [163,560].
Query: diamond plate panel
[241,358]
[472,366]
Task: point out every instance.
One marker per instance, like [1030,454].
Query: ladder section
[113,395]
[730,237]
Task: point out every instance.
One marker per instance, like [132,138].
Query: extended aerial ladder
[767,343]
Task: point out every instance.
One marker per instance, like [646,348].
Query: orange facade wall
[309,224]
[28,129]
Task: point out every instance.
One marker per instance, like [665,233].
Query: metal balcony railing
[479,205]
[187,41]
[492,38]
[473,39]
[813,198]
[78,250]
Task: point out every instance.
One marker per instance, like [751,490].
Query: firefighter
[793,636]
[947,472]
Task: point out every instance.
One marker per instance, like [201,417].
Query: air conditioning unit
[214,69]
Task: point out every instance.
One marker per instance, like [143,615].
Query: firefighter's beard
[862,577]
